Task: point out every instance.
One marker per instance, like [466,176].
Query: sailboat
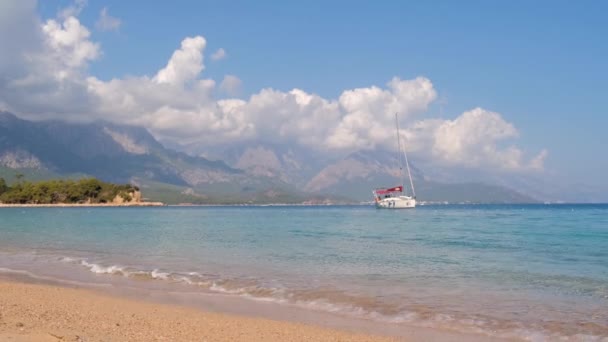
[396,197]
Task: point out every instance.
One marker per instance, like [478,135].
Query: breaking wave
[358,306]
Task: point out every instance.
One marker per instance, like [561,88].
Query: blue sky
[542,65]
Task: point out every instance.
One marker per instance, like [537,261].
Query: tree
[64,191]
[3,187]
[90,187]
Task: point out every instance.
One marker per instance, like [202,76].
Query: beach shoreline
[347,269]
[83,205]
[41,312]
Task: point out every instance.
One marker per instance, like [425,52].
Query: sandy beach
[78,205]
[34,312]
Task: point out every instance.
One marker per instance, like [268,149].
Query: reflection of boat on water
[396,198]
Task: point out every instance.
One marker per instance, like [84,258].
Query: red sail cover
[386,191]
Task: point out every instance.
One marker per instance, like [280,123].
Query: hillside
[246,173]
[357,174]
[127,154]
[110,152]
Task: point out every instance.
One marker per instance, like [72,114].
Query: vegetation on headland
[88,190]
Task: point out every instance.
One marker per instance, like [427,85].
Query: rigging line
[399,152]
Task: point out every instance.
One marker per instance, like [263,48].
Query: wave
[30,275]
[355,305]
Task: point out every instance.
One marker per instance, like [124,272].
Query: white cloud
[231,85]
[177,104]
[368,118]
[186,63]
[471,136]
[473,140]
[107,22]
[19,33]
[73,10]
[46,76]
[538,162]
[68,43]
[219,54]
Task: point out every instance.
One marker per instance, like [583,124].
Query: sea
[525,272]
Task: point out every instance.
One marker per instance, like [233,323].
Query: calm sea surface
[537,272]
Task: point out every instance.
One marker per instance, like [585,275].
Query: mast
[407,164]
[409,174]
[399,152]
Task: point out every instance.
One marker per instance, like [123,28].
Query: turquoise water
[536,272]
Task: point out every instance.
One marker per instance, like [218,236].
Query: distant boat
[395,197]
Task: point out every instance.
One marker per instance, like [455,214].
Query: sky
[512,87]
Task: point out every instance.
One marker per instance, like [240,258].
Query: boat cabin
[382,193]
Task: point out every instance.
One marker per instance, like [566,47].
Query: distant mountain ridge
[289,164]
[246,173]
[122,153]
[112,152]
[359,173]
[355,175]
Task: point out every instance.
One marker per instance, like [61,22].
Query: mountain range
[245,173]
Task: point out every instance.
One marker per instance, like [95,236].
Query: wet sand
[35,312]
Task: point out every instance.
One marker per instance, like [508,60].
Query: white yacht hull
[398,202]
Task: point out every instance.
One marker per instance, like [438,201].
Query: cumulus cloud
[68,44]
[231,85]
[538,162]
[185,64]
[49,78]
[219,54]
[179,105]
[472,140]
[73,10]
[19,34]
[369,112]
[107,22]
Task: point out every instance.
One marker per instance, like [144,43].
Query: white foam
[124,271]
[157,274]
[283,296]
[68,260]
[99,269]
[184,279]
[10,270]
[48,278]
[218,288]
